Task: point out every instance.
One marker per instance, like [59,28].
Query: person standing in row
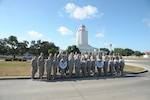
[55,63]
[70,64]
[88,66]
[77,64]
[48,64]
[92,58]
[121,65]
[83,66]
[99,60]
[62,66]
[41,64]
[59,57]
[116,65]
[33,67]
[111,64]
[105,59]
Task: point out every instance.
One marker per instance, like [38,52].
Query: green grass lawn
[20,68]
[14,68]
[129,68]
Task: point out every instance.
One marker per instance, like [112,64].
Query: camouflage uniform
[83,66]
[111,65]
[41,64]
[77,65]
[48,64]
[55,63]
[70,64]
[105,68]
[116,65]
[33,67]
[98,58]
[121,66]
[62,71]
[88,66]
[93,64]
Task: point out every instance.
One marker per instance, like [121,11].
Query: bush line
[15,59]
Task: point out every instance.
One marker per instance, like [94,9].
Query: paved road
[128,88]
[131,87]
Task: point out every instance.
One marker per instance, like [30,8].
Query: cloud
[101,35]
[64,31]
[35,34]
[147,21]
[81,12]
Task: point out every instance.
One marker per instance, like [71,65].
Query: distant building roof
[82,28]
[147,53]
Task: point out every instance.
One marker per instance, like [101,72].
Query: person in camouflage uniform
[41,64]
[33,67]
[48,64]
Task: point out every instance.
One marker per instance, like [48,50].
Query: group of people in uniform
[77,65]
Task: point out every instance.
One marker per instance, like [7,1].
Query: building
[147,55]
[82,40]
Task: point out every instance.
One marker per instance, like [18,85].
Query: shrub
[8,59]
[19,59]
[24,59]
[15,59]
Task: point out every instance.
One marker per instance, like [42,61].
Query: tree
[22,47]
[42,46]
[53,50]
[48,46]
[72,48]
[118,50]
[13,43]
[128,52]
[3,46]
[105,49]
[33,49]
[137,53]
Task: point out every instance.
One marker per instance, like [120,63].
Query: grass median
[20,68]
[135,58]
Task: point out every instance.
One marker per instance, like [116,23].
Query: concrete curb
[13,77]
[144,71]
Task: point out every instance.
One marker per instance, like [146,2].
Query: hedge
[15,59]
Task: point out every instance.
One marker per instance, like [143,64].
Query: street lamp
[110,47]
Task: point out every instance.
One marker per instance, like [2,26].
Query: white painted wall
[146,56]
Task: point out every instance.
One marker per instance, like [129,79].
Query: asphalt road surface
[129,87]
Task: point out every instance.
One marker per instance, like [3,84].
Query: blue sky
[123,23]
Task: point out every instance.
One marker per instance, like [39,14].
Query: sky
[122,23]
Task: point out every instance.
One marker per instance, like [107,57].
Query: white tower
[82,36]
[82,39]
